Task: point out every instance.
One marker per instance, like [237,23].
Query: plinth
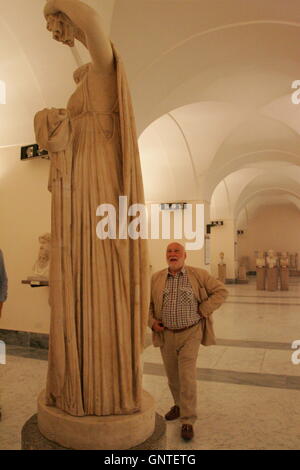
[32,439]
[272,279]
[260,278]
[97,432]
[284,278]
[222,272]
[242,275]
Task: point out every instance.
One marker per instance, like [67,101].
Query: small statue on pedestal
[272,271]
[292,262]
[260,270]
[284,260]
[221,255]
[41,266]
[271,259]
[221,268]
[284,271]
[260,260]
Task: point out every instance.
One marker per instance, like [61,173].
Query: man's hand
[157,326]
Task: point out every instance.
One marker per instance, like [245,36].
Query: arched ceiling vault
[276,177]
[268,198]
[211,86]
[266,194]
[227,105]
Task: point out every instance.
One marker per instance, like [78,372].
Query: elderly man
[3,282]
[183,299]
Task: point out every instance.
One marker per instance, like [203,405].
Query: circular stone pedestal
[32,439]
[97,432]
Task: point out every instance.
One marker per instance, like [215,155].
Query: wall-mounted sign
[173,206]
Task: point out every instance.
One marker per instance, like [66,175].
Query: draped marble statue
[98,287]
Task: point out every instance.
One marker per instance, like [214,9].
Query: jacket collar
[183,271]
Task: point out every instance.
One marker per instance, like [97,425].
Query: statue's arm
[90,23]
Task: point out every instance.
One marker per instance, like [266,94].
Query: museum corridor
[167,121]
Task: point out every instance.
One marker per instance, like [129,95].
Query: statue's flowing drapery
[98,288]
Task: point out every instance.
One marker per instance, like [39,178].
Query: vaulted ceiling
[211,83]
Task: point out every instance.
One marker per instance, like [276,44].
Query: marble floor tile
[280,362]
[152,354]
[253,344]
[279,323]
[244,360]
[209,356]
[21,381]
[235,417]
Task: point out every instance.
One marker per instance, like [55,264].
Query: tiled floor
[249,390]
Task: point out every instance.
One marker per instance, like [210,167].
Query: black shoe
[187,432]
[174,413]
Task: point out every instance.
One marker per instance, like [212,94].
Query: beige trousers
[179,354]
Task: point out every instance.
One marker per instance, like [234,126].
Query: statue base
[242,275]
[284,279]
[272,279]
[95,432]
[260,278]
[32,439]
[222,272]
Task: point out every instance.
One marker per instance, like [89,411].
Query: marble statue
[284,260]
[292,262]
[221,256]
[260,260]
[271,259]
[260,263]
[41,266]
[98,288]
[221,268]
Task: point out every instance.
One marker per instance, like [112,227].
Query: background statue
[98,288]
[271,259]
[41,266]
[284,260]
[260,260]
[292,261]
[221,258]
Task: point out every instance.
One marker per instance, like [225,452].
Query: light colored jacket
[209,292]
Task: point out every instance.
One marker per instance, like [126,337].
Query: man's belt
[178,330]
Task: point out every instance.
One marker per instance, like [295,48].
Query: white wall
[157,248]
[271,227]
[24,215]
[222,239]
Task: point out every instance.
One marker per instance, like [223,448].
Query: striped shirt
[180,306]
